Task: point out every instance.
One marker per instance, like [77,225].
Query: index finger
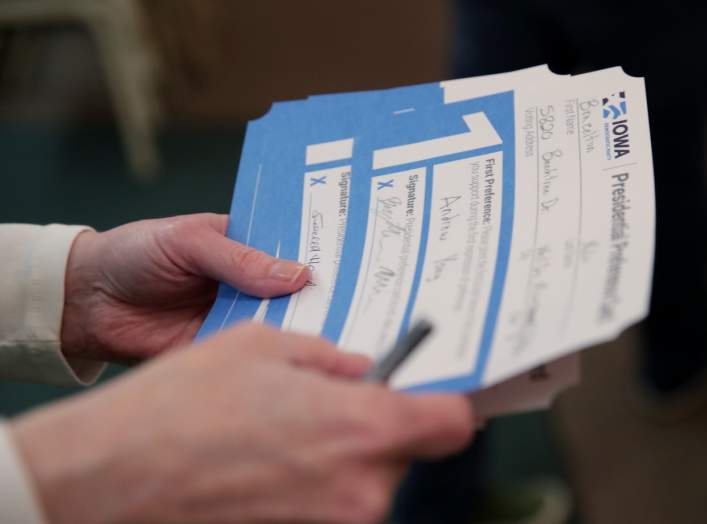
[432,425]
[418,425]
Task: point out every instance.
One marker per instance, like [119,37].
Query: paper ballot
[513,211]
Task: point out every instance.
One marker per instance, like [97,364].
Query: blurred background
[117,110]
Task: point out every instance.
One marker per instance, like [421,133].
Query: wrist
[79,290]
[61,466]
[96,458]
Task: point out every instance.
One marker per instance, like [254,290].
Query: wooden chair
[129,63]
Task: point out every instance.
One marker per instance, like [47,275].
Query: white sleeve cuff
[33,263]
[18,501]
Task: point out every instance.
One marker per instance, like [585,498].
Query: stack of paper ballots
[513,211]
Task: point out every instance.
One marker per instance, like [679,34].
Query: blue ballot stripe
[474,380]
[426,223]
[240,218]
[405,129]
[500,111]
[420,254]
[383,101]
[355,238]
[370,120]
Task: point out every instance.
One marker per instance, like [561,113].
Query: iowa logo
[614,106]
[614,111]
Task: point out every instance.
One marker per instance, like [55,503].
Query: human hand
[253,425]
[145,287]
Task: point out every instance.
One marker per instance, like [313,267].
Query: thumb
[322,355]
[315,353]
[247,269]
[431,426]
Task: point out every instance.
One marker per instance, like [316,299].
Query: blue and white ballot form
[513,211]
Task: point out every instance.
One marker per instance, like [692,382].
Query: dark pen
[382,370]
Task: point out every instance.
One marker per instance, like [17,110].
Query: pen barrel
[383,369]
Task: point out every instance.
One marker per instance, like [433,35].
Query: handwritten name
[587,131]
[439,265]
[447,215]
[549,175]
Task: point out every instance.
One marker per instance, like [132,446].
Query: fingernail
[287,271]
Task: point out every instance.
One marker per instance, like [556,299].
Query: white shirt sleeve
[18,501]
[32,276]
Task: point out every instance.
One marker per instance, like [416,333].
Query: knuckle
[249,329]
[305,350]
[254,334]
[311,354]
[210,216]
[370,503]
[359,420]
[405,414]
[246,259]
[372,415]
[461,426]
[217,221]
[369,396]
[179,227]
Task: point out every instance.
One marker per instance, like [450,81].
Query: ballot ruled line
[306,258]
[537,216]
[577,255]
[619,166]
[473,379]
[247,241]
[354,320]
[262,310]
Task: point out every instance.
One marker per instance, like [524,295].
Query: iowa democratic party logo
[615,113]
